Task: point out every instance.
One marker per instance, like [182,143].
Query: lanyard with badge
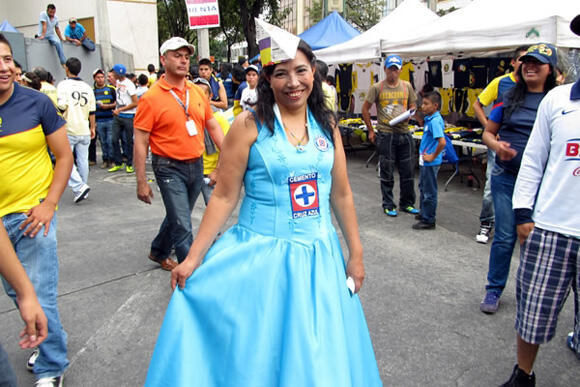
[189,124]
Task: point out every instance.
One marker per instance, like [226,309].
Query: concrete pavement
[421,295]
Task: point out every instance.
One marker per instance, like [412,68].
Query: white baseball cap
[175,43]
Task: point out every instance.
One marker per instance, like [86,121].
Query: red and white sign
[203,13]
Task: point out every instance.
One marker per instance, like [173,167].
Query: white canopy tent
[486,27]
[367,46]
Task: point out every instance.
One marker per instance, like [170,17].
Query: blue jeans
[180,185]
[428,192]
[487,214]
[122,131]
[502,248]
[396,149]
[80,171]
[105,133]
[39,259]
[55,41]
[7,377]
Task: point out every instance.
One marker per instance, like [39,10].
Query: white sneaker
[55,381]
[484,234]
[82,193]
[32,359]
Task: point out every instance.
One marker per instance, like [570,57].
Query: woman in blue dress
[268,304]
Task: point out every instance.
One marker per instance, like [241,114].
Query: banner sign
[203,13]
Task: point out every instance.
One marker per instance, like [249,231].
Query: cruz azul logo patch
[304,195]
[321,143]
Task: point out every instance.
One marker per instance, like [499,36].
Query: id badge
[191,128]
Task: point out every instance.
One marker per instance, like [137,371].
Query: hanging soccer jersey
[461,73]
[447,73]
[446,101]
[435,76]
[460,99]
[407,73]
[420,75]
[471,98]
[478,72]
[343,76]
[498,67]
[363,77]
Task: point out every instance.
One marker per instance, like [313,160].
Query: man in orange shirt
[171,118]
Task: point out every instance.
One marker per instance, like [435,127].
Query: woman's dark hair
[194,70]
[514,97]
[32,80]
[265,106]
[330,80]
[225,70]
[238,74]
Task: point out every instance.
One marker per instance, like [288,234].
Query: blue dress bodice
[285,196]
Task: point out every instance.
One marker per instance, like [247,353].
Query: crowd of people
[284,147]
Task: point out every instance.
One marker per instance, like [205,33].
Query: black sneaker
[520,379]
[32,359]
[485,231]
[423,226]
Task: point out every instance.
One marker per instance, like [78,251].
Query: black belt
[186,161]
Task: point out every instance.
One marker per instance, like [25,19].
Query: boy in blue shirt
[430,157]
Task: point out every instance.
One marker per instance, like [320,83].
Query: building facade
[129,25]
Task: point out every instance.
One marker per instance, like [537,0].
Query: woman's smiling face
[292,81]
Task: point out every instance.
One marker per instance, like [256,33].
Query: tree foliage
[315,12]
[363,14]
[172,21]
[250,9]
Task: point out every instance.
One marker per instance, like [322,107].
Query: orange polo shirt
[164,118]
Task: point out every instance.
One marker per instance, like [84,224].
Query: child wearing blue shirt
[432,144]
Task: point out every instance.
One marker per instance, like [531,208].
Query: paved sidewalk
[421,295]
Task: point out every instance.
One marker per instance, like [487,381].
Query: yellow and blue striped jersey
[25,167]
[496,88]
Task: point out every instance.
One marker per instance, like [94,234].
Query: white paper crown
[276,45]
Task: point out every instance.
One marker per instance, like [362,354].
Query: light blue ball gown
[269,306]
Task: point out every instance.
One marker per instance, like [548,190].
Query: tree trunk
[249,25]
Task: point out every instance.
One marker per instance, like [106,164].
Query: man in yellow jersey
[30,189]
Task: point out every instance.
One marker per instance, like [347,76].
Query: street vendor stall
[366,47]
[330,31]
[488,27]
